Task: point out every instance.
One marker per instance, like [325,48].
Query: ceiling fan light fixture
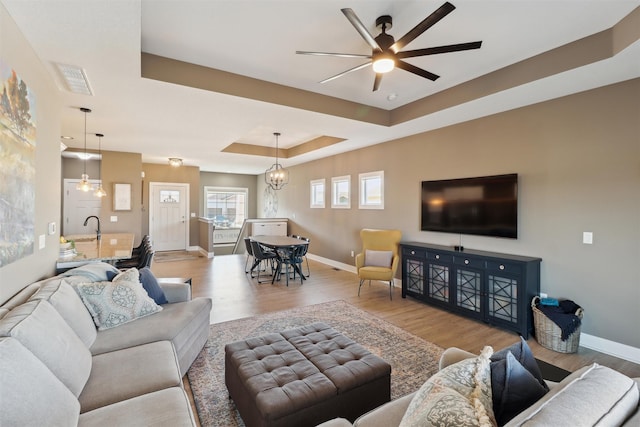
[383,63]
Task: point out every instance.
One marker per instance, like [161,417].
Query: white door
[77,206]
[168,216]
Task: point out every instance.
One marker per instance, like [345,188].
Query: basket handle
[534,301]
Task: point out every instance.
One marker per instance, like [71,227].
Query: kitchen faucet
[98,234]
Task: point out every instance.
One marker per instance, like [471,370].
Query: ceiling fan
[386,53]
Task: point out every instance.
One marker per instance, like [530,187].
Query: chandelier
[84,184]
[276,176]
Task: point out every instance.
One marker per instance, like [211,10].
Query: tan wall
[15,52]
[578,161]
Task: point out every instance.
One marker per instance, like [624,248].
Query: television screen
[486,206]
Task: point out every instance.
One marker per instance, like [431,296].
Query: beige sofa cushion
[30,395]
[39,327]
[168,407]
[130,372]
[68,304]
[594,395]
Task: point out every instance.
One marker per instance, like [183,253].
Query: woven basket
[548,334]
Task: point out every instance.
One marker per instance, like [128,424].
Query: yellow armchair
[379,257]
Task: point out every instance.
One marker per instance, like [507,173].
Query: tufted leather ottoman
[303,377]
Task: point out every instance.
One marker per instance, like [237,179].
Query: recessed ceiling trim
[285,153]
[192,75]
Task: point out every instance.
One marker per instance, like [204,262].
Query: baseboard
[201,251]
[612,348]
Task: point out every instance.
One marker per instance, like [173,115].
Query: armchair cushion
[378,258]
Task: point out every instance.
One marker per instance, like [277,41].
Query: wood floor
[236,295]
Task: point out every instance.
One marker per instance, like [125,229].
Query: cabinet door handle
[501,267]
[437,256]
[466,261]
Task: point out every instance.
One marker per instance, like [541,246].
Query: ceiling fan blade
[376,81]
[342,55]
[415,70]
[359,67]
[359,26]
[426,23]
[439,49]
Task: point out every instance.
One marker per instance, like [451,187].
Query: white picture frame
[121,197]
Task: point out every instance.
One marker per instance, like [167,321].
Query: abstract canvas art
[17,167]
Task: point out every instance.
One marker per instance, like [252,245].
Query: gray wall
[578,161]
[15,52]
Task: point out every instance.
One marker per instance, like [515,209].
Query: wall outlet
[543,295]
[51,228]
[114,218]
[352,255]
[587,238]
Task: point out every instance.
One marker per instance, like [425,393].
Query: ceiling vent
[75,79]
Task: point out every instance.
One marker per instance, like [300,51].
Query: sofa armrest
[387,415]
[453,355]
[175,290]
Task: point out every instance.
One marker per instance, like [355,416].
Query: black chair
[306,239]
[291,256]
[260,255]
[247,244]
[137,260]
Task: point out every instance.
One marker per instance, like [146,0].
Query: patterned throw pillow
[112,304]
[459,395]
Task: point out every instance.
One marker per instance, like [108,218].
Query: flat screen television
[485,206]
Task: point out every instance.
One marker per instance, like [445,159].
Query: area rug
[168,256]
[412,359]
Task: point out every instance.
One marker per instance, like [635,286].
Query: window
[226,206]
[371,190]
[341,192]
[317,193]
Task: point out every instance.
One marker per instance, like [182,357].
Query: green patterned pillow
[459,395]
[112,304]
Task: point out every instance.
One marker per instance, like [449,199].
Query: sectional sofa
[59,369]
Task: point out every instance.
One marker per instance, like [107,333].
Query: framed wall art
[121,197]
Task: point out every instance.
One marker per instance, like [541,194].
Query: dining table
[87,248]
[282,243]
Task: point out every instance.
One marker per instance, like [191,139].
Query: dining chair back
[260,255]
[379,258]
[306,260]
[291,257]
[247,244]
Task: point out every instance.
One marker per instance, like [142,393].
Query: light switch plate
[114,218]
[42,240]
[587,238]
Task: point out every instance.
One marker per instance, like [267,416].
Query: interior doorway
[168,215]
[77,206]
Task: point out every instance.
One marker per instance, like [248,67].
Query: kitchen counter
[111,247]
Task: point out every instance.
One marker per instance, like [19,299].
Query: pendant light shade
[84,184]
[100,191]
[276,176]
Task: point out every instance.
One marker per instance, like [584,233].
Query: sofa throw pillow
[128,275]
[513,388]
[150,284]
[114,303]
[458,395]
[523,354]
[377,258]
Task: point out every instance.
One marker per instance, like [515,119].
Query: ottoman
[303,377]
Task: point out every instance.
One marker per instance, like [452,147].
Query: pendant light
[276,176]
[84,184]
[100,191]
